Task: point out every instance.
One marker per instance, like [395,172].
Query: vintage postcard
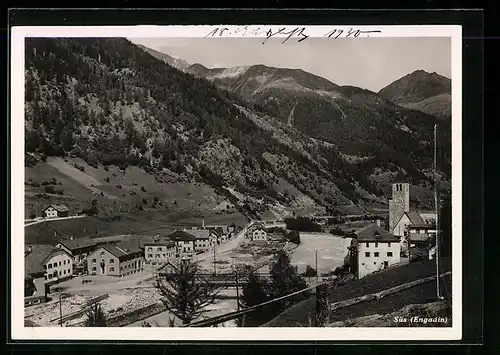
[236,183]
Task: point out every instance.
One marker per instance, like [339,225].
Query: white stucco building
[375,249]
[259,234]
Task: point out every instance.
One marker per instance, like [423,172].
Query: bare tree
[185,292]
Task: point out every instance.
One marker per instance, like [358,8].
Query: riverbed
[331,251]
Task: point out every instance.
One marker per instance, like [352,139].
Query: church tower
[400,202]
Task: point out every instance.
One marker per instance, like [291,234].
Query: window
[367,254]
[405,233]
[45,277]
[164,255]
[375,254]
[121,268]
[389,253]
[150,255]
[367,245]
[157,255]
[69,271]
[94,261]
[376,245]
[64,272]
[102,253]
[111,269]
[374,263]
[64,262]
[362,263]
[150,249]
[111,261]
[37,301]
[94,268]
[50,266]
[389,245]
[45,267]
[60,273]
[59,263]
[159,249]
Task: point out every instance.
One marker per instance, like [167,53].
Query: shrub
[32,215]
[141,208]
[144,201]
[143,189]
[106,179]
[119,186]
[79,167]
[338,231]
[106,168]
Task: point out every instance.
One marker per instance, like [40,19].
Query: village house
[159,251]
[259,234]
[57,262]
[203,240]
[372,249]
[185,244]
[79,248]
[419,234]
[34,280]
[53,211]
[118,259]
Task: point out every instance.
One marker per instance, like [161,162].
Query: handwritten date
[298,32]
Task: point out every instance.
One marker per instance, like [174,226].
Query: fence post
[322,315]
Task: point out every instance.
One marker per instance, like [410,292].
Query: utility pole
[60,309]
[437,215]
[316,254]
[215,265]
[237,289]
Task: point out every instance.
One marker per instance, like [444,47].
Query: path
[43,220]
[227,247]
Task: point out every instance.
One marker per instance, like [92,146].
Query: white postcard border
[20,332]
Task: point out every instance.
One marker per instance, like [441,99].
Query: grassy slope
[142,223]
[80,187]
[299,314]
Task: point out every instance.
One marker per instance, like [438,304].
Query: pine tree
[284,281]
[95,316]
[185,293]
[254,292]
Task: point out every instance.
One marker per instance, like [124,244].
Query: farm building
[53,211]
[259,234]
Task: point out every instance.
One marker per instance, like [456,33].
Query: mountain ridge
[111,103]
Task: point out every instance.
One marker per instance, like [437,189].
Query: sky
[368,63]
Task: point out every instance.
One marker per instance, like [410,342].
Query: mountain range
[270,141]
[423,91]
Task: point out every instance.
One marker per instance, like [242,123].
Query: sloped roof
[33,261]
[73,244]
[400,178]
[160,241]
[199,233]
[418,237]
[374,233]
[59,208]
[181,236]
[414,217]
[122,249]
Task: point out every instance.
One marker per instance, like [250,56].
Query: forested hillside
[111,103]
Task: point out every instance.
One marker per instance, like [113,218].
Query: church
[409,225]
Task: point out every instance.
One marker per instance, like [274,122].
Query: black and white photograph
[230,177]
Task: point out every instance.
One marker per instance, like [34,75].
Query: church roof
[400,178]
